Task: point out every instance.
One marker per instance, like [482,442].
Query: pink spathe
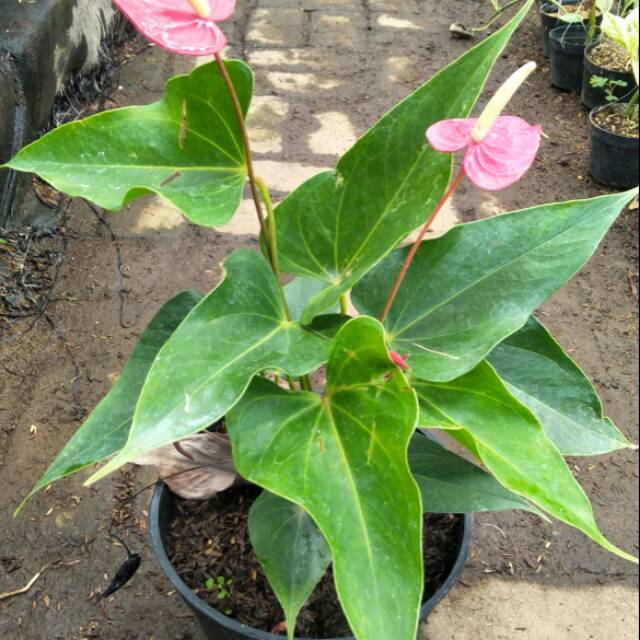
[500,159]
[176,26]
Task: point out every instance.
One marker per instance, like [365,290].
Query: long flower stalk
[255,192]
[416,245]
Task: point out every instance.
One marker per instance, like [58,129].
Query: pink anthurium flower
[500,149]
[187,27]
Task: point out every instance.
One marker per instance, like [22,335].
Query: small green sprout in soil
[221,584]
[609,85]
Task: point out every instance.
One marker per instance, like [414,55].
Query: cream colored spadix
[500,100]
[201,7]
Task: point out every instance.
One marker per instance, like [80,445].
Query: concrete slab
[509,610]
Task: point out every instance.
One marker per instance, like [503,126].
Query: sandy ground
[326,69]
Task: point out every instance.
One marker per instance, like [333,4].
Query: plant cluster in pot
[614,122]
[278,393]
[556,13]
[569,39]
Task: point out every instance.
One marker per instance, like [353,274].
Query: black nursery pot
[567,56]
[217,626]
[549,21]
[614,158]
[593,97]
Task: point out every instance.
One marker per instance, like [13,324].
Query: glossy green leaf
[105,431]
[512,445]
[471,288]
[544,378]
[339,224]
[300,291]
[343,458]
[291,550]
[239,329]
[186,148]
[450,484]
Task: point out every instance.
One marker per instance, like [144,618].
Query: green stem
[593,22]
[272,238]
[344,304]
[498,12]
[305,381]
[632,106]
[416,245]
[259,188]
[272,241]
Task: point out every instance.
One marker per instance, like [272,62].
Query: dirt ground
[326,69]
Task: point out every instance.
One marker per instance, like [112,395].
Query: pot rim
[569,30]
[161,492]
[546,5]
[593,123]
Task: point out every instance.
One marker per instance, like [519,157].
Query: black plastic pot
[593,97]
[217,626]
[549,21]
[614,158]
[567,56]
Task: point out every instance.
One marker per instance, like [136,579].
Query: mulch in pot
[209,540]
[616,121]
[610,55]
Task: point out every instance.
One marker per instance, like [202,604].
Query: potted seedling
[614,127]
[567,41]
[555,13]
[608,69]
[301,421]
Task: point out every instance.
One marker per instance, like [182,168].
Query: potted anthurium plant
[321,409]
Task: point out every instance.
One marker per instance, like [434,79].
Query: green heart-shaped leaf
[468,290]
[339,224]
[291,550]
[187,148]
[544,378]
[343,458]
[510,442]
[106,430]
[239,329]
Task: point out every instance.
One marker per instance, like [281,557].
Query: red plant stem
[247,147]
[416,245]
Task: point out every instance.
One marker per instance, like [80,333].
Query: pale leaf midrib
[489,274]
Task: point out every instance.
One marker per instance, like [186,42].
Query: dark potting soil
[209,540]
[617,122]
[610,55]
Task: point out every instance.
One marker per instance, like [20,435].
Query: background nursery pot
[217,626]
[568,43]
[550,20]
[614,158]
[593,97]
